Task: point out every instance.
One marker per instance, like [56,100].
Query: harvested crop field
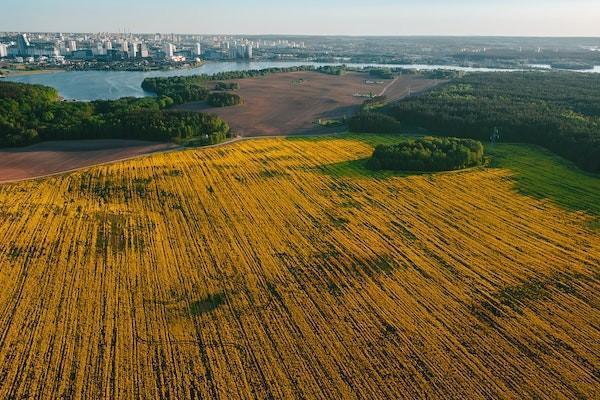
[290,103]
[51,157]
[277,268]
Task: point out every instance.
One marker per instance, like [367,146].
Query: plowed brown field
[261,270]
[290,103]
[49,158]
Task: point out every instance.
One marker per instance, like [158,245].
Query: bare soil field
[59,156]
[290,103]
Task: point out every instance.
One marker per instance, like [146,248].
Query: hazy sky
[351,17]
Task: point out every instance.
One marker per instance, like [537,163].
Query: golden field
[269,269]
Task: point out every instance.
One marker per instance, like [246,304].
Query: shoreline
[9,73]
[12,72]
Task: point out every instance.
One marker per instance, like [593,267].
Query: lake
[95,85]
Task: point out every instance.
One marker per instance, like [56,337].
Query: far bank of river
[27,72]
[95,85]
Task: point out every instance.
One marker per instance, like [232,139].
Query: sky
[311,17]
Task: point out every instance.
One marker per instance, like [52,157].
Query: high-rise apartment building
[132,50]
[169,50]
[23,45]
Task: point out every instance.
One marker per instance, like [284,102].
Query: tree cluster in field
[557,110]
[373,122]
[30,113]
[381,73]
[428,154]
[182,89]
[374,103]
[332,69]
[227,86]
[223,99]
[442,74]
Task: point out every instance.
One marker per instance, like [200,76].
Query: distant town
[135,51]
[141,52]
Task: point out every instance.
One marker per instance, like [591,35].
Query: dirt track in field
[55,157]
[290,103]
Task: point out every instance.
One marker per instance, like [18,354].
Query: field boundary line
[174,149]
[67,171]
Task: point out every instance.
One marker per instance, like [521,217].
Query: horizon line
[321,34]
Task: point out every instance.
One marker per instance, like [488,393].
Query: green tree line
[31,113]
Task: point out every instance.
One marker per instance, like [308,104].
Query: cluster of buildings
[22,48]
[231,49]
[67,48]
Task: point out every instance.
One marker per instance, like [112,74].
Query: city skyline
[332,17]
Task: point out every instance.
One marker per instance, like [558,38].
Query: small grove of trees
[372,122]
[374,103]
[30,113]
[332,69]
[428,154]
[223,99]
[442,74]
[382,73]
[227,86]
[179,88]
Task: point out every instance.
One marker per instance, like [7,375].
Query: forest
[557,110]
[428,154]
[373,122]
[31,113]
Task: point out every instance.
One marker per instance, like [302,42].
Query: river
[95,85]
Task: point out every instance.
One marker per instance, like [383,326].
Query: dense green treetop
[223,99]
[373,122]
[428,154]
